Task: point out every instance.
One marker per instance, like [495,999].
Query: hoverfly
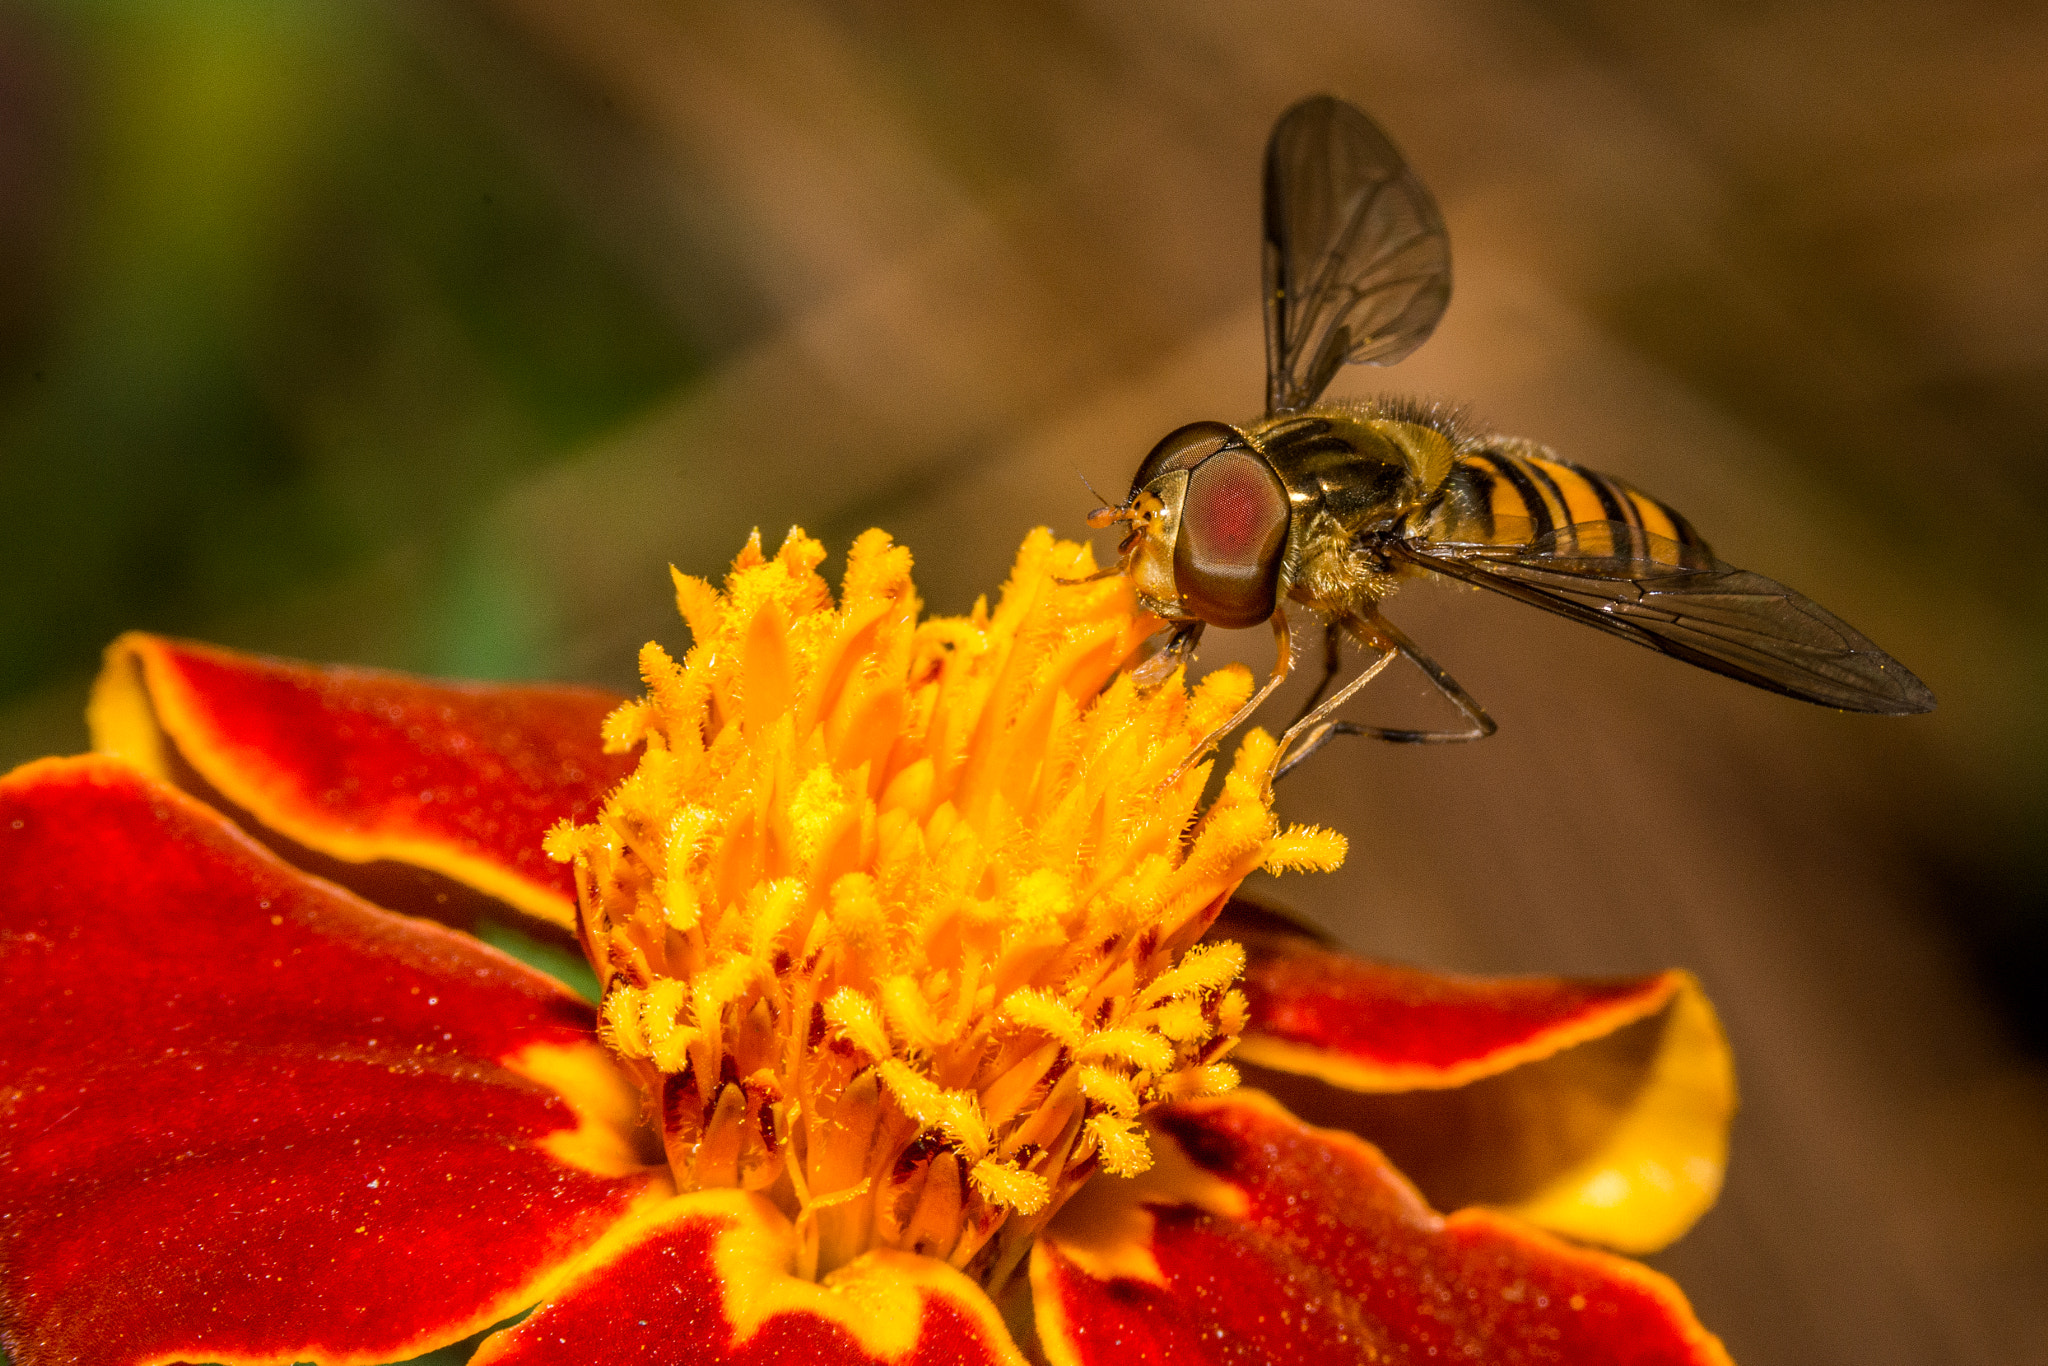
[1331,505]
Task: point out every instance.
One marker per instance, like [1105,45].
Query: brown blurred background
[426,334]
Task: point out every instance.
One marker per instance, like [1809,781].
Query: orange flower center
[896,920]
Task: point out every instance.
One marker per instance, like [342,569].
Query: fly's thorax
[1353,472]
[1355,464]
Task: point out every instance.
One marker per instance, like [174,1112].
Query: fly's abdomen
[1514,495]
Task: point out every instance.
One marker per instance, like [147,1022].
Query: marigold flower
[919,972]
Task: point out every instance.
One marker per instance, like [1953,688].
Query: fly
[1332,505]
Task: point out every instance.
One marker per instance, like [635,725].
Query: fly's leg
[1310,728]
[1283,664]
[1480,724]
[1109,572]
[1333,655]
[1378,633]
[1177,650]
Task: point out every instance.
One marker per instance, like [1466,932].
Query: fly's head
[1208,520]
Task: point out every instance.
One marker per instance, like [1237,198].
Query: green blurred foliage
[282,301]
[557,962]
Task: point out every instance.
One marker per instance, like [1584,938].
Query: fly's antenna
[1103,516]
[1105,512]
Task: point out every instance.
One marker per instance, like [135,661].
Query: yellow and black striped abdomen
[1508,497]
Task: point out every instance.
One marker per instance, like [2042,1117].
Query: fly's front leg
[1177,650]
[1283,664]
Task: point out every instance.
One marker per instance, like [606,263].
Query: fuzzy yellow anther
[897,920]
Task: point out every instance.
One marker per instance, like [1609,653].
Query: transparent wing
[1683,602]
[1357,264]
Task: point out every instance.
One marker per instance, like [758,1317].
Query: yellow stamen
[896,920]
[1305,848]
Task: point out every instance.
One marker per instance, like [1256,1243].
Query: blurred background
[429,334]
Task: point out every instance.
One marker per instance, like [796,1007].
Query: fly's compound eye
[1233,533]
[1184,448]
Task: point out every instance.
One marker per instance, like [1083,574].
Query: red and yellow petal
[1595,1108]
[1370,1026]
[707,1278]
[245,1117]
[421,794]
[1258,1238]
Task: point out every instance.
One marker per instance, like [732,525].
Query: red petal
[706,1279]
[1378,1027]
[246,1117]
[1595,1109]
[1260,1239]
[366,776]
